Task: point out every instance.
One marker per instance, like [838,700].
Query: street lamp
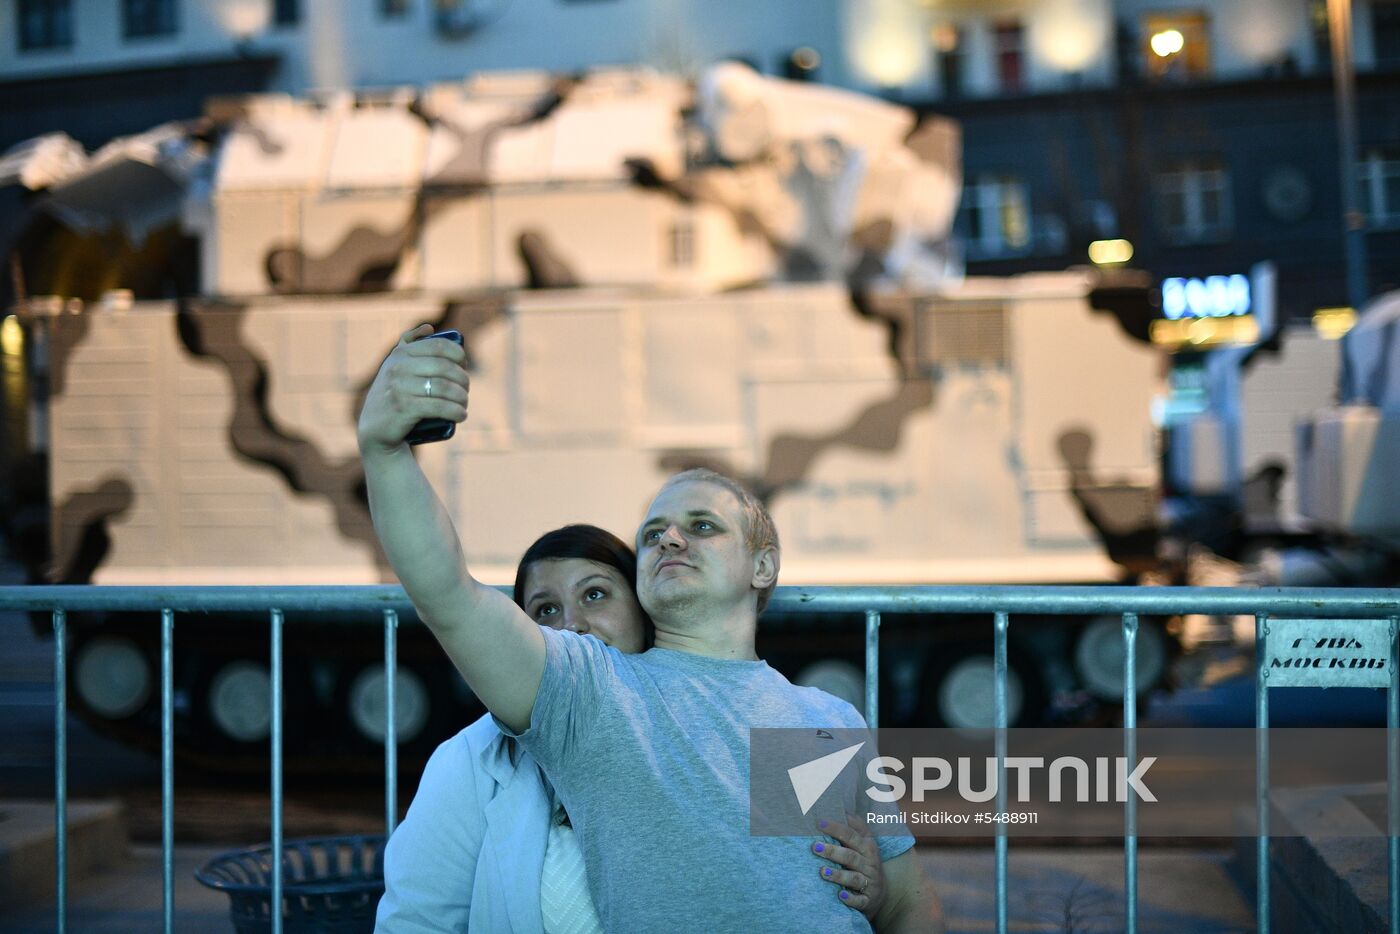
[1344,84]
[1110,252]
[1167,43]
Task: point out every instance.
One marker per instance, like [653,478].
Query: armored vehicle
[743,273]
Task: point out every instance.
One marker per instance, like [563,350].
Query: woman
[485,845]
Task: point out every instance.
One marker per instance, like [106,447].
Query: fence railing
[1000,604]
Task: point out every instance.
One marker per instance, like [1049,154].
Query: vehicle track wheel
[960,693]
[369,703]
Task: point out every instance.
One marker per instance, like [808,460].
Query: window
[286,12]
[1193,202]
[142,19]
[1177,45]
[1009,42]
[1321,34]
[947,42]
[1385,32]
[995,217]
[44,24]
[1379,177]
[393,9]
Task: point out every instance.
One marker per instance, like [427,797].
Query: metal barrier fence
[1000,604]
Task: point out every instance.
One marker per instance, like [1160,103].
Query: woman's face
[586,597]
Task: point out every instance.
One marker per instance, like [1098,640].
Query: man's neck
[730,637]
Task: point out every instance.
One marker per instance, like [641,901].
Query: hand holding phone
[429,430]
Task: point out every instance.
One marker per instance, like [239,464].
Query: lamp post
[1167,46]
[1344,87]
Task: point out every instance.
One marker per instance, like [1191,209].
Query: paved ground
[1059,890]
[1076,891]
[127,899]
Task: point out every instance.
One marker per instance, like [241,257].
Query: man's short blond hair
[759,530]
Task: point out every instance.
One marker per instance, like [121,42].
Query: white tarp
[1371,356]
[42,161]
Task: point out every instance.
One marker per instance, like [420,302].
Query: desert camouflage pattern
[745,273]
[213,442]
[617,178]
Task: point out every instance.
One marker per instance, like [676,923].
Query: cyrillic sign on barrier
[1328,653]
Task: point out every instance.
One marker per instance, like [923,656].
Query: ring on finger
[428,387]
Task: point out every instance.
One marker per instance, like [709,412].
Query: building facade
[330,44]
[1203,134]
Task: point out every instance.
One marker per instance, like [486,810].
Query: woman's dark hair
[578,541]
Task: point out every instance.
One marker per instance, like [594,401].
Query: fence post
[167,766]
[60,763]
[276,907]
[391,737]
[1130,851]
[1261,766]
[1392,776]
[999,634]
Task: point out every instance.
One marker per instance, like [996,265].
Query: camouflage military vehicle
[746,274]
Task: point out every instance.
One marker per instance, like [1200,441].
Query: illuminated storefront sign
[1205,312]
[1211,297]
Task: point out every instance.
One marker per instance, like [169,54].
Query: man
[649,753]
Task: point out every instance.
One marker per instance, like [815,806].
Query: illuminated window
[286,12]
[44,24]
[142,19]
[1009,40]
[1385,32]
[947,41]
[1193,202]
[1176,45]
[995,217]
[1379,177]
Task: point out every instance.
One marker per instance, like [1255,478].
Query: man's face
[692,549]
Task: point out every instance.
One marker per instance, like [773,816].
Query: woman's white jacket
[470,851]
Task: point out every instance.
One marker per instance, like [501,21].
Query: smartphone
[435,429]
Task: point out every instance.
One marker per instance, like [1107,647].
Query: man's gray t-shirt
[650,755]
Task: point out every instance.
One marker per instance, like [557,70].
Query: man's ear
[765,568]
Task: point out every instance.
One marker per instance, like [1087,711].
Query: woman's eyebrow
[594,577]
[537,595]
